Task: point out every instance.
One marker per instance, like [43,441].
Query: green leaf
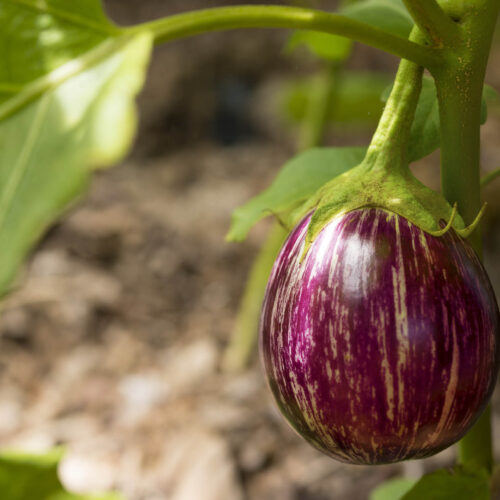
[39,36]
[67,83]
[394,489]
[322,45]
[299,179]
[388,15]
[446,485]
[357,101]
[34,477]
[79,116]
[425,133]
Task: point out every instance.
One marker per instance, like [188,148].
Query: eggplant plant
[380,330]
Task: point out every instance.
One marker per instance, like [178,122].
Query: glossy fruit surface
[382,343]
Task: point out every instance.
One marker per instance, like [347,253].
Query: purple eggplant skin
[381,343]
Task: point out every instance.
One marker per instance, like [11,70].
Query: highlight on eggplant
[381,343]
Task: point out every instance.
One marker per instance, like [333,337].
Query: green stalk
[459,98]
[475,450]
[490,177]
[432,21]
[263,16]
[246,326]
[389,143]
[321,100]
[459,85]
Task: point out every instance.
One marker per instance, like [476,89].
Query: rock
[84,473]
[197,464]
[98,234]
[35,440]
[11,411]
[187,366]
[15,324]
[140,393]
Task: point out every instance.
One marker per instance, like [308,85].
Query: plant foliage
[67,108]
[299,179]
[34,477]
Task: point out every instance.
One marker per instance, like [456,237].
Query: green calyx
[395,190]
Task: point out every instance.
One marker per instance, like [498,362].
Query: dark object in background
[232,122]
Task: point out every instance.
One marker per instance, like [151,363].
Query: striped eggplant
[381,342]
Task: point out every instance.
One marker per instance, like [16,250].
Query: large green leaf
[299,179]
[34,477]
[38,36]
[448,484]
[79,116]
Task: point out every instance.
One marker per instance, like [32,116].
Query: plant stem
[246,328]
[460,115]
[475,450]
[459,85]
[392,134]
[263,16]
[313,129]
[490,177]
[432,21]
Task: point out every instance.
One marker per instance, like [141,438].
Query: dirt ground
[112,342]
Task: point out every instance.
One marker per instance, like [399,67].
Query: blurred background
[112,344]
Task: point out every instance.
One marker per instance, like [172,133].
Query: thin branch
[434,22]
[228,18]
[485,180]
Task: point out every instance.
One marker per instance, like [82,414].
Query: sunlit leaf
[79,116]
[38,36]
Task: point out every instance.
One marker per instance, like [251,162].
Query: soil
[112,342]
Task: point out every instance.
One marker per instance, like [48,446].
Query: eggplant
[380,341]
